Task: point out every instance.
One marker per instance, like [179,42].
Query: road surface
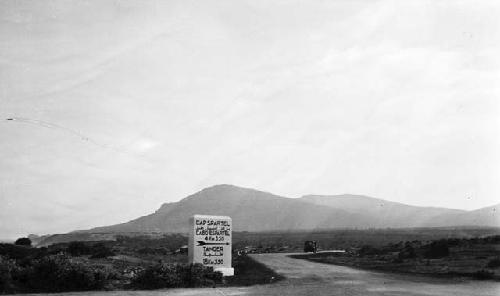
[311,278]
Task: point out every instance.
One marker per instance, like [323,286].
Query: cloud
[143,145]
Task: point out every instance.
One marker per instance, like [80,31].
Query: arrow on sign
[202,243]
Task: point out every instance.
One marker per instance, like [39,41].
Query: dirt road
[310,278]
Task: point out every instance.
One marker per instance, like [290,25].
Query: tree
[23,241]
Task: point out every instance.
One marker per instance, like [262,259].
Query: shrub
[398,260]
[77,249]
[7,268]
[158,276]
[100,251]
[23,241]
[437,249]
[175,276]
[154,251]
[16,251]
[494,263]
[49,274]
[408,252]
[198,275]
[369,250]
[483,275]
[58,274]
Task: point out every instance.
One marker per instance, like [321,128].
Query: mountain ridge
[346,210]
[256,211]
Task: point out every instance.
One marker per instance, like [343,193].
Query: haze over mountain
[254,210]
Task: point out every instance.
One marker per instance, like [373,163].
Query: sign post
[210,242]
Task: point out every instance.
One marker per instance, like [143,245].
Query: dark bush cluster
[494,263]
[23,241]
[97,250]
[77,249]
[154,251]
[369,250]
[11,251]
[49,274]
[408,252]
[483,275]
[176,276]
[437,249]
[167,241]
[8,268]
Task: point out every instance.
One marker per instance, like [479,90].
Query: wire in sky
[72,132]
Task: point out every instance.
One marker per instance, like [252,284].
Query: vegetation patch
[176,276]
[160,261]
[493,263]
[127,263]
[476,257]
[52,273]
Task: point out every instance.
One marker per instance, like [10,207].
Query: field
[477,258]
[125,264]
[303,277]
[160,260]
[293,241]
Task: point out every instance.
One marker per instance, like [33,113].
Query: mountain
[393,214]
[485,216]
[253,210]
[387,213]
[36,239]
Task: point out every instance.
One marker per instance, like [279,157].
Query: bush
[156,277]
[100,251]
[369,250]
[197,275]
[49,274]
[16,251]
[483,275]
[437,249]
[23,241]
[77,249]
[58,274]
[154,251]
[176,276]
[494,263]
[7,268]
[408,252]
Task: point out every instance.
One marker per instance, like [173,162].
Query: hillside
[485,216]
[258,211]
[385,213]
[251,210]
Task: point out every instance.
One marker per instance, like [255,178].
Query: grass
[466,258]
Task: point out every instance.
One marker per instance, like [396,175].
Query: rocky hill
[253,210]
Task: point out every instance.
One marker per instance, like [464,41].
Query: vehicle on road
[310,246]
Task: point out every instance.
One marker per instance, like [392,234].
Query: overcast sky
[121,106]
